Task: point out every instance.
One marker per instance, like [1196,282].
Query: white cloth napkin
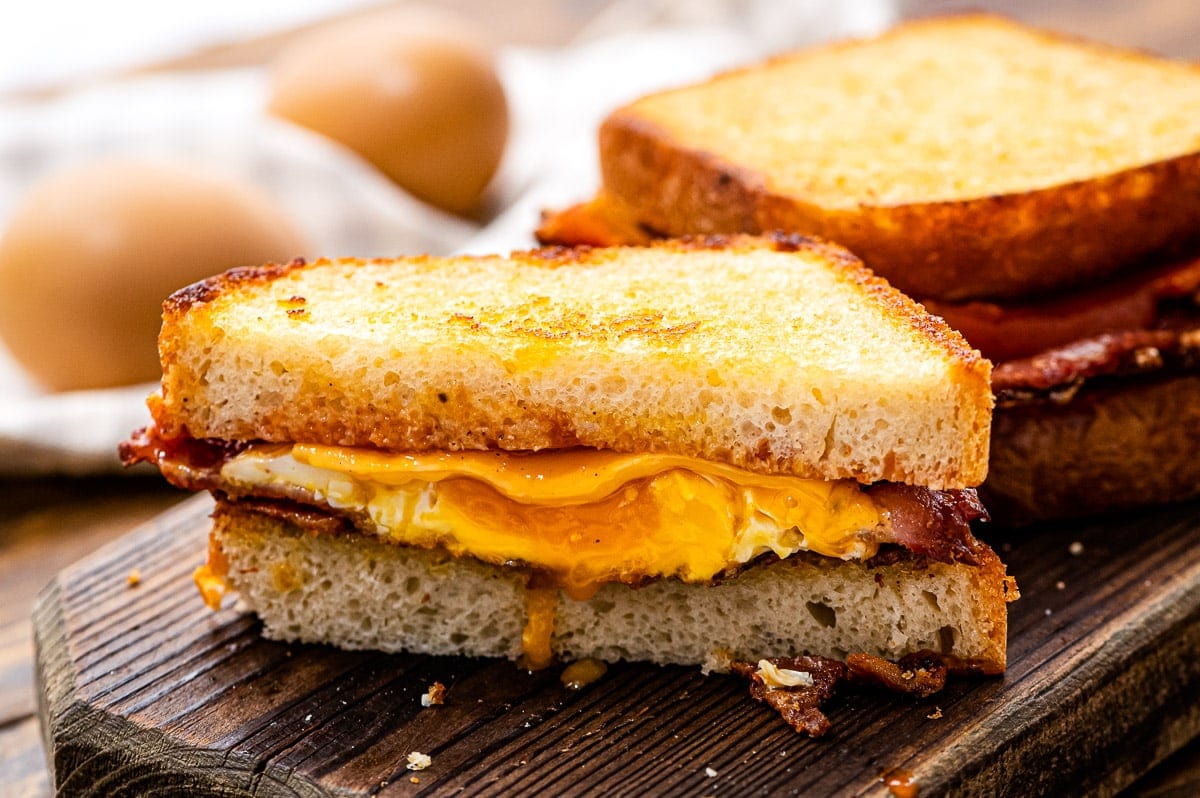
[557,99]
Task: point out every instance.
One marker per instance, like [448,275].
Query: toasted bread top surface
[936,110]
[779,354]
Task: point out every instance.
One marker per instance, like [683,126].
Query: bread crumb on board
[434,696]
[419,761]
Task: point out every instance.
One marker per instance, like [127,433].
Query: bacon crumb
[921,674]
[1057,374]
[434,696]
[799,701]
[799,705]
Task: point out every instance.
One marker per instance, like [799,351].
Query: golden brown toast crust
[671,352]
[851,268]
[1008,243]
[207,290]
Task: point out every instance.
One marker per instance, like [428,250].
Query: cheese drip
[582,517]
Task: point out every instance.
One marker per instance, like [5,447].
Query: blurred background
[144,145]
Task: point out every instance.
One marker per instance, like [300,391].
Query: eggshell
[413,90]
[91,253]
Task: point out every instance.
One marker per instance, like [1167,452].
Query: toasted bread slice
[782,355]
[358,592]
[1123,445]
[960,157]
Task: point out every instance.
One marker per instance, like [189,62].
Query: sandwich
[1042,194]
[707,452]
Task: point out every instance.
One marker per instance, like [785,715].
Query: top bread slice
[960,157]
[780,355]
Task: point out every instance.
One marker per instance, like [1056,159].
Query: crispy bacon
[1056,375]
[920,674]
[929,523]
[800,706]
[318,519]
[147,445]
[185,462]
[1012,331]
[933,523]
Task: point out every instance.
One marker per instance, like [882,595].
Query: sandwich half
[700,452]
[1041,193]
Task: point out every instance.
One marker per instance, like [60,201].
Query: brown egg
[92,252]
[412,90]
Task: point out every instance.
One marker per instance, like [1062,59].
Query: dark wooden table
[47,523]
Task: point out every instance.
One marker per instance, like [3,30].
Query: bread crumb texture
[770,357]
[888,121]
[356,592]
[961,157]
[418,761]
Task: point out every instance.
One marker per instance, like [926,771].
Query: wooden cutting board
[142,689]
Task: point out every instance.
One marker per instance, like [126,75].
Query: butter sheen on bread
[779,357]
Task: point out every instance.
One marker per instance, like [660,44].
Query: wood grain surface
[142,687]
[47,523]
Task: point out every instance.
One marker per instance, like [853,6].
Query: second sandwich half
[696,453]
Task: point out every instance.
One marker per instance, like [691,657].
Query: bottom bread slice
[358,592]
[1129,444]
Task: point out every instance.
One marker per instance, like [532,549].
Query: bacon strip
[201,456]
[317,519]
[1056,375]
[185,462]
[933,523]
[930,523]
[1014,331]
[920,674]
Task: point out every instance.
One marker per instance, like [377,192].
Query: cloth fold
[557,99]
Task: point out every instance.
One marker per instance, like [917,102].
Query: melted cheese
[583,517]
[540,604]
[210,577]
[580,517]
